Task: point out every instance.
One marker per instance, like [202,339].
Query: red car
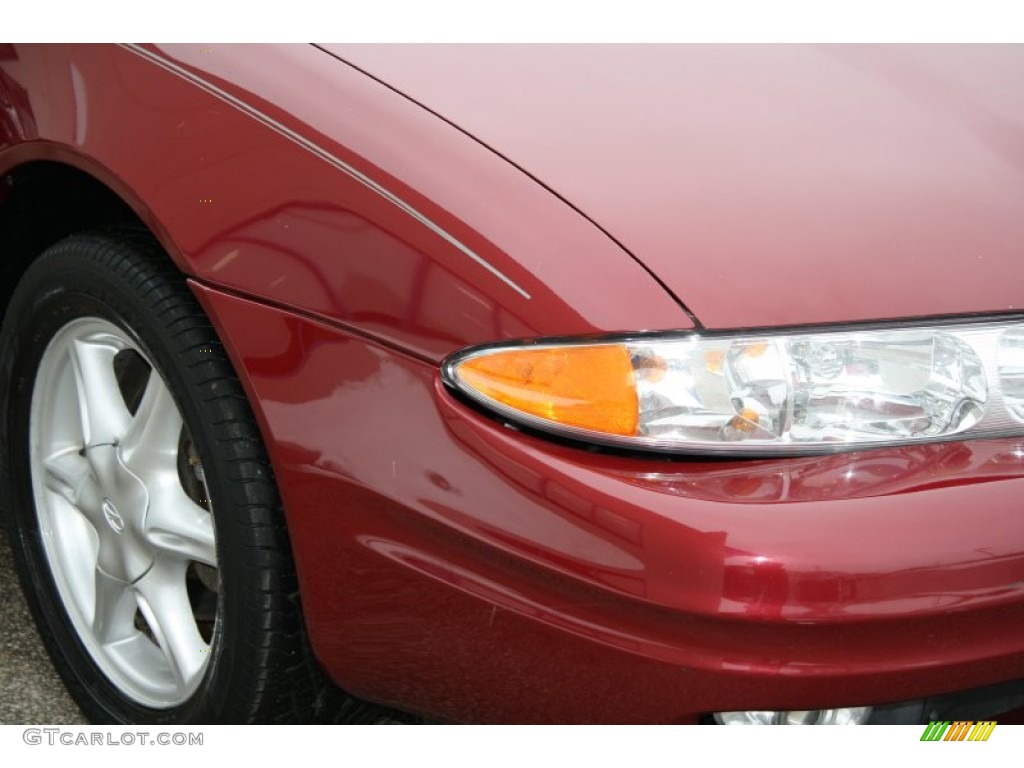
[517,384]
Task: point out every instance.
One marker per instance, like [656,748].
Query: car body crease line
[327,157]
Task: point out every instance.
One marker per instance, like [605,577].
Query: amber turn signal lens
[576,386]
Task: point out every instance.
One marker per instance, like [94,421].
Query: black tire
[260,667]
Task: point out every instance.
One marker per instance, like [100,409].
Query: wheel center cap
[114,519]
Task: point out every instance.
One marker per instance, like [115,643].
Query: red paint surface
[467,571]
[460,569]
[767,185]
[285,224]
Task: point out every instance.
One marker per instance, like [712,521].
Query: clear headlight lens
[797,392]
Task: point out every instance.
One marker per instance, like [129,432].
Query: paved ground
[30,692]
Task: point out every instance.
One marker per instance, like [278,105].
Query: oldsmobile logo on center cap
[113,516]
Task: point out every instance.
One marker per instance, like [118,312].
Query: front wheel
[145,522]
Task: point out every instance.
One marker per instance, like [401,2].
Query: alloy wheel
[124,513]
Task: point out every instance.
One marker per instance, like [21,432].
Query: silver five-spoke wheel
[124,512]
[144,517]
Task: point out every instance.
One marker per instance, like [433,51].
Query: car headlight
[792,392]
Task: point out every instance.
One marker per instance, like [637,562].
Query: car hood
[763,185]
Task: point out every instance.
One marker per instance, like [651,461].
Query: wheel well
[43,202]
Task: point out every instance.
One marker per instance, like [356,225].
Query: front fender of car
[280,173]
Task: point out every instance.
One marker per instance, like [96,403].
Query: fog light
[845,716]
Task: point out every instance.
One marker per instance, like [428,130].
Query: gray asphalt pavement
[30,692]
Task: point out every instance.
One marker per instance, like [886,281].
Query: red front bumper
[469,572]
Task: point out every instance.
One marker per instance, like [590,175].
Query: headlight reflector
[793,392]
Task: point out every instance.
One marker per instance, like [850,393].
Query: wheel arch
[42,185]
[49,191]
